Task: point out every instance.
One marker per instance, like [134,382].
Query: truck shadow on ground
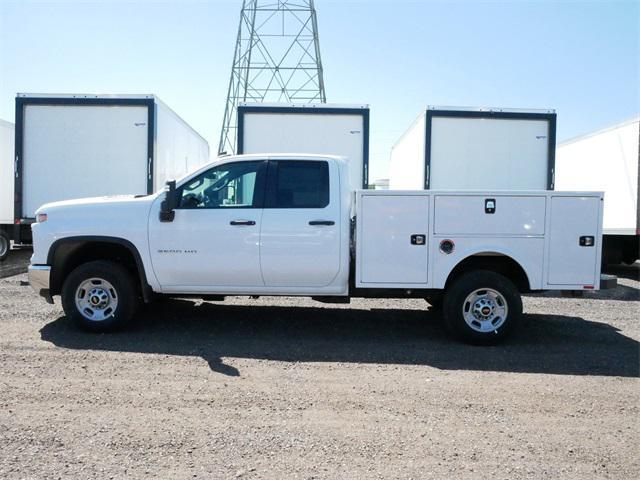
[631,272]
[543,344]
[16,263]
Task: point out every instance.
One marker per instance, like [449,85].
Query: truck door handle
[242,222]
[322,222]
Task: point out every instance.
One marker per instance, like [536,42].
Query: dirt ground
[287,388]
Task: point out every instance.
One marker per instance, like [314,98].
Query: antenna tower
[276,59]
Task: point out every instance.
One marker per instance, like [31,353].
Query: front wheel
[100,296]
[482,307]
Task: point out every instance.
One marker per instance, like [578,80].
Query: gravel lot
[298,389]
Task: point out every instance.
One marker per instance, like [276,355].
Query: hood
[111,200]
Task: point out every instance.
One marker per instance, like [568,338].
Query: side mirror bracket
[168,205]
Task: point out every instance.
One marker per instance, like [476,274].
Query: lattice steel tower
[277,59]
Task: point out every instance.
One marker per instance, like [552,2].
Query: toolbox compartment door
[394,235]
[573,259]
[489,215]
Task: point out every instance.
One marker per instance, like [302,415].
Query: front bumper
[39,276]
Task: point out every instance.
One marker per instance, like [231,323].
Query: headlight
[41,217]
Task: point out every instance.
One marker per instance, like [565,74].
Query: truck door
[300,237]
[213,241]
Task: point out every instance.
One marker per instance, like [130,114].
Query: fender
[61,250]
[500,252]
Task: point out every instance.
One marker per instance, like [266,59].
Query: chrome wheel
[96,299]
[485,310]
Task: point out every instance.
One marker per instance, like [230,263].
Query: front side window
[300,184]
[232,185]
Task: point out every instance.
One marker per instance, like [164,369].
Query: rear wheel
[482,307]
[5,245]
[100,296]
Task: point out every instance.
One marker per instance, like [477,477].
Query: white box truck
[463,148]
[608,160]
[275,224]
[7,134]
[74,146]
[327,129]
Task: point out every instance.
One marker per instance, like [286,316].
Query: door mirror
[168,205]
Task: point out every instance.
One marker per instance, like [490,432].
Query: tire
[482,307]
[100,296]
[5,246]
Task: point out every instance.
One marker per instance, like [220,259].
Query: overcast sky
[578,57]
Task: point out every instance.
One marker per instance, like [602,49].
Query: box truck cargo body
[308,128]
[608,160]
[74,146]
[451,148]
[7,135]
[6,186]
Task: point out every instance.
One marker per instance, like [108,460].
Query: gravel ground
[15,263]
[298,389]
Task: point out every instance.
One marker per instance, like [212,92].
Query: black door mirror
[168,205]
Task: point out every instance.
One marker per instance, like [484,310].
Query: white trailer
[7,134]
[74,146]
[456,148]
[327,129]
[608,160]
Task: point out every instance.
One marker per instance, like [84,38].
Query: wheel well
[71,254]
[494,262]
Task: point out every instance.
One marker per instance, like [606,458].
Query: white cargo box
[7,134]
[607,160]
[450,148]
[75,146]
[324,129]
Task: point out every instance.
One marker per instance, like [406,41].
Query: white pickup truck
[291,225]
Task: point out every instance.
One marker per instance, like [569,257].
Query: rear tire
[482,307]
[5,246]
[100,296]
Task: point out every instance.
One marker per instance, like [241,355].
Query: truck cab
[275,225]
[291,224]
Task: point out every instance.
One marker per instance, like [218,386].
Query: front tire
[482,307]
[5,246]
[100,296]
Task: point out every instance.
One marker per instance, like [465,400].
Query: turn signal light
[42,217]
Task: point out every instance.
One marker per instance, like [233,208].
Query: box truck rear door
[324,134]
[77,151]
